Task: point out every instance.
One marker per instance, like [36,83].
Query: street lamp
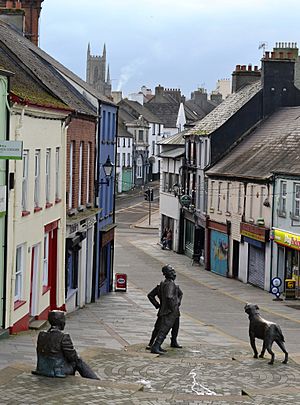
[108,168]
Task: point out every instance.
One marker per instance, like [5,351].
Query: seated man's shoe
[175,344]
[162,350]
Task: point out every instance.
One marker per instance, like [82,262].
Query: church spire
[104,52]
[108,76]
[89,49]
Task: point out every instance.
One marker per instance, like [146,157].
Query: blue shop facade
[105,200]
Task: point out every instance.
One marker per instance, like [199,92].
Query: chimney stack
[278,77]
[24,15]
[243,75]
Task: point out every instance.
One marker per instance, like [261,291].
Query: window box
[37,209]
[281,213]
[49,205]
[228,214]
[25,213]
[212,210]
[57,200]
[219,212]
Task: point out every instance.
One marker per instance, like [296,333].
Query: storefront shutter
[256,269]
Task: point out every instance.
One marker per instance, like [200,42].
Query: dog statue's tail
[280,334]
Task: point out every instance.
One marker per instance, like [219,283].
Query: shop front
[255,238]
[217,246]
[189,234]
[79,260]
[288,256]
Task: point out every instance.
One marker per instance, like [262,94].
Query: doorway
[235,259]
[34,291]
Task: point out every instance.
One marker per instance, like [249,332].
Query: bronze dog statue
[269,332]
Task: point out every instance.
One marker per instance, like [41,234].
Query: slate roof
[166,112]
[172,153]
[217,117]
[274,147]
[122,131]
[177,139]
[22,52]
[138,110]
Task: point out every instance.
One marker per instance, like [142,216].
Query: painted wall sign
[287,239]
[11,150]
[254,232]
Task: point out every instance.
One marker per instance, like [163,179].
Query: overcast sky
[185,44]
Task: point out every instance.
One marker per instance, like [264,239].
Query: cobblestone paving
[198,374]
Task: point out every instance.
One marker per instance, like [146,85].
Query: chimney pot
[9,4]
[249,67]
[267,55]
[18,5]
[273,55]
[238,67]
[280,55]
[243,67]
[255,68]
[290,55]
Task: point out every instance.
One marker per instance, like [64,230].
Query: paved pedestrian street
[196,374]
[219,372]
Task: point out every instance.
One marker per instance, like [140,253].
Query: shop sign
[254,232]
[287,239]
[11,150]
[290,289]
[107,237]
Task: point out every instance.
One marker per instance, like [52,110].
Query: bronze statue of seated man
[56,355]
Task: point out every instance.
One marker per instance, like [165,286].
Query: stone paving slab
[197,374]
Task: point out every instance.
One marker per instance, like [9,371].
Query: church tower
[96,74]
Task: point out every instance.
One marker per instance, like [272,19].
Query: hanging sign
[11,150]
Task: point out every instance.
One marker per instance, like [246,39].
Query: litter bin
[121,282]
[290,289]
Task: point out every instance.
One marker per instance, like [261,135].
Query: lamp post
[108,168]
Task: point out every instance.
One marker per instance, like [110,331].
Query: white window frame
[89,148]
[48,175]
[139,168]
[123,159]
[118,159]
[262,192]
[296,210]
[80,174]
[239,208]
[219,196]
[25,180]
[19,272]
[37,173]
[228,197]
[212,184]
[57,174]
[72,145]
[128,159]
[282,197]
[46,260]
[124,142]
[251,201]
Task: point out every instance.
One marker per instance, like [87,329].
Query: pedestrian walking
[169,238]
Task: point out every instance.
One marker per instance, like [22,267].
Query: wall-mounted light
[108,168]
